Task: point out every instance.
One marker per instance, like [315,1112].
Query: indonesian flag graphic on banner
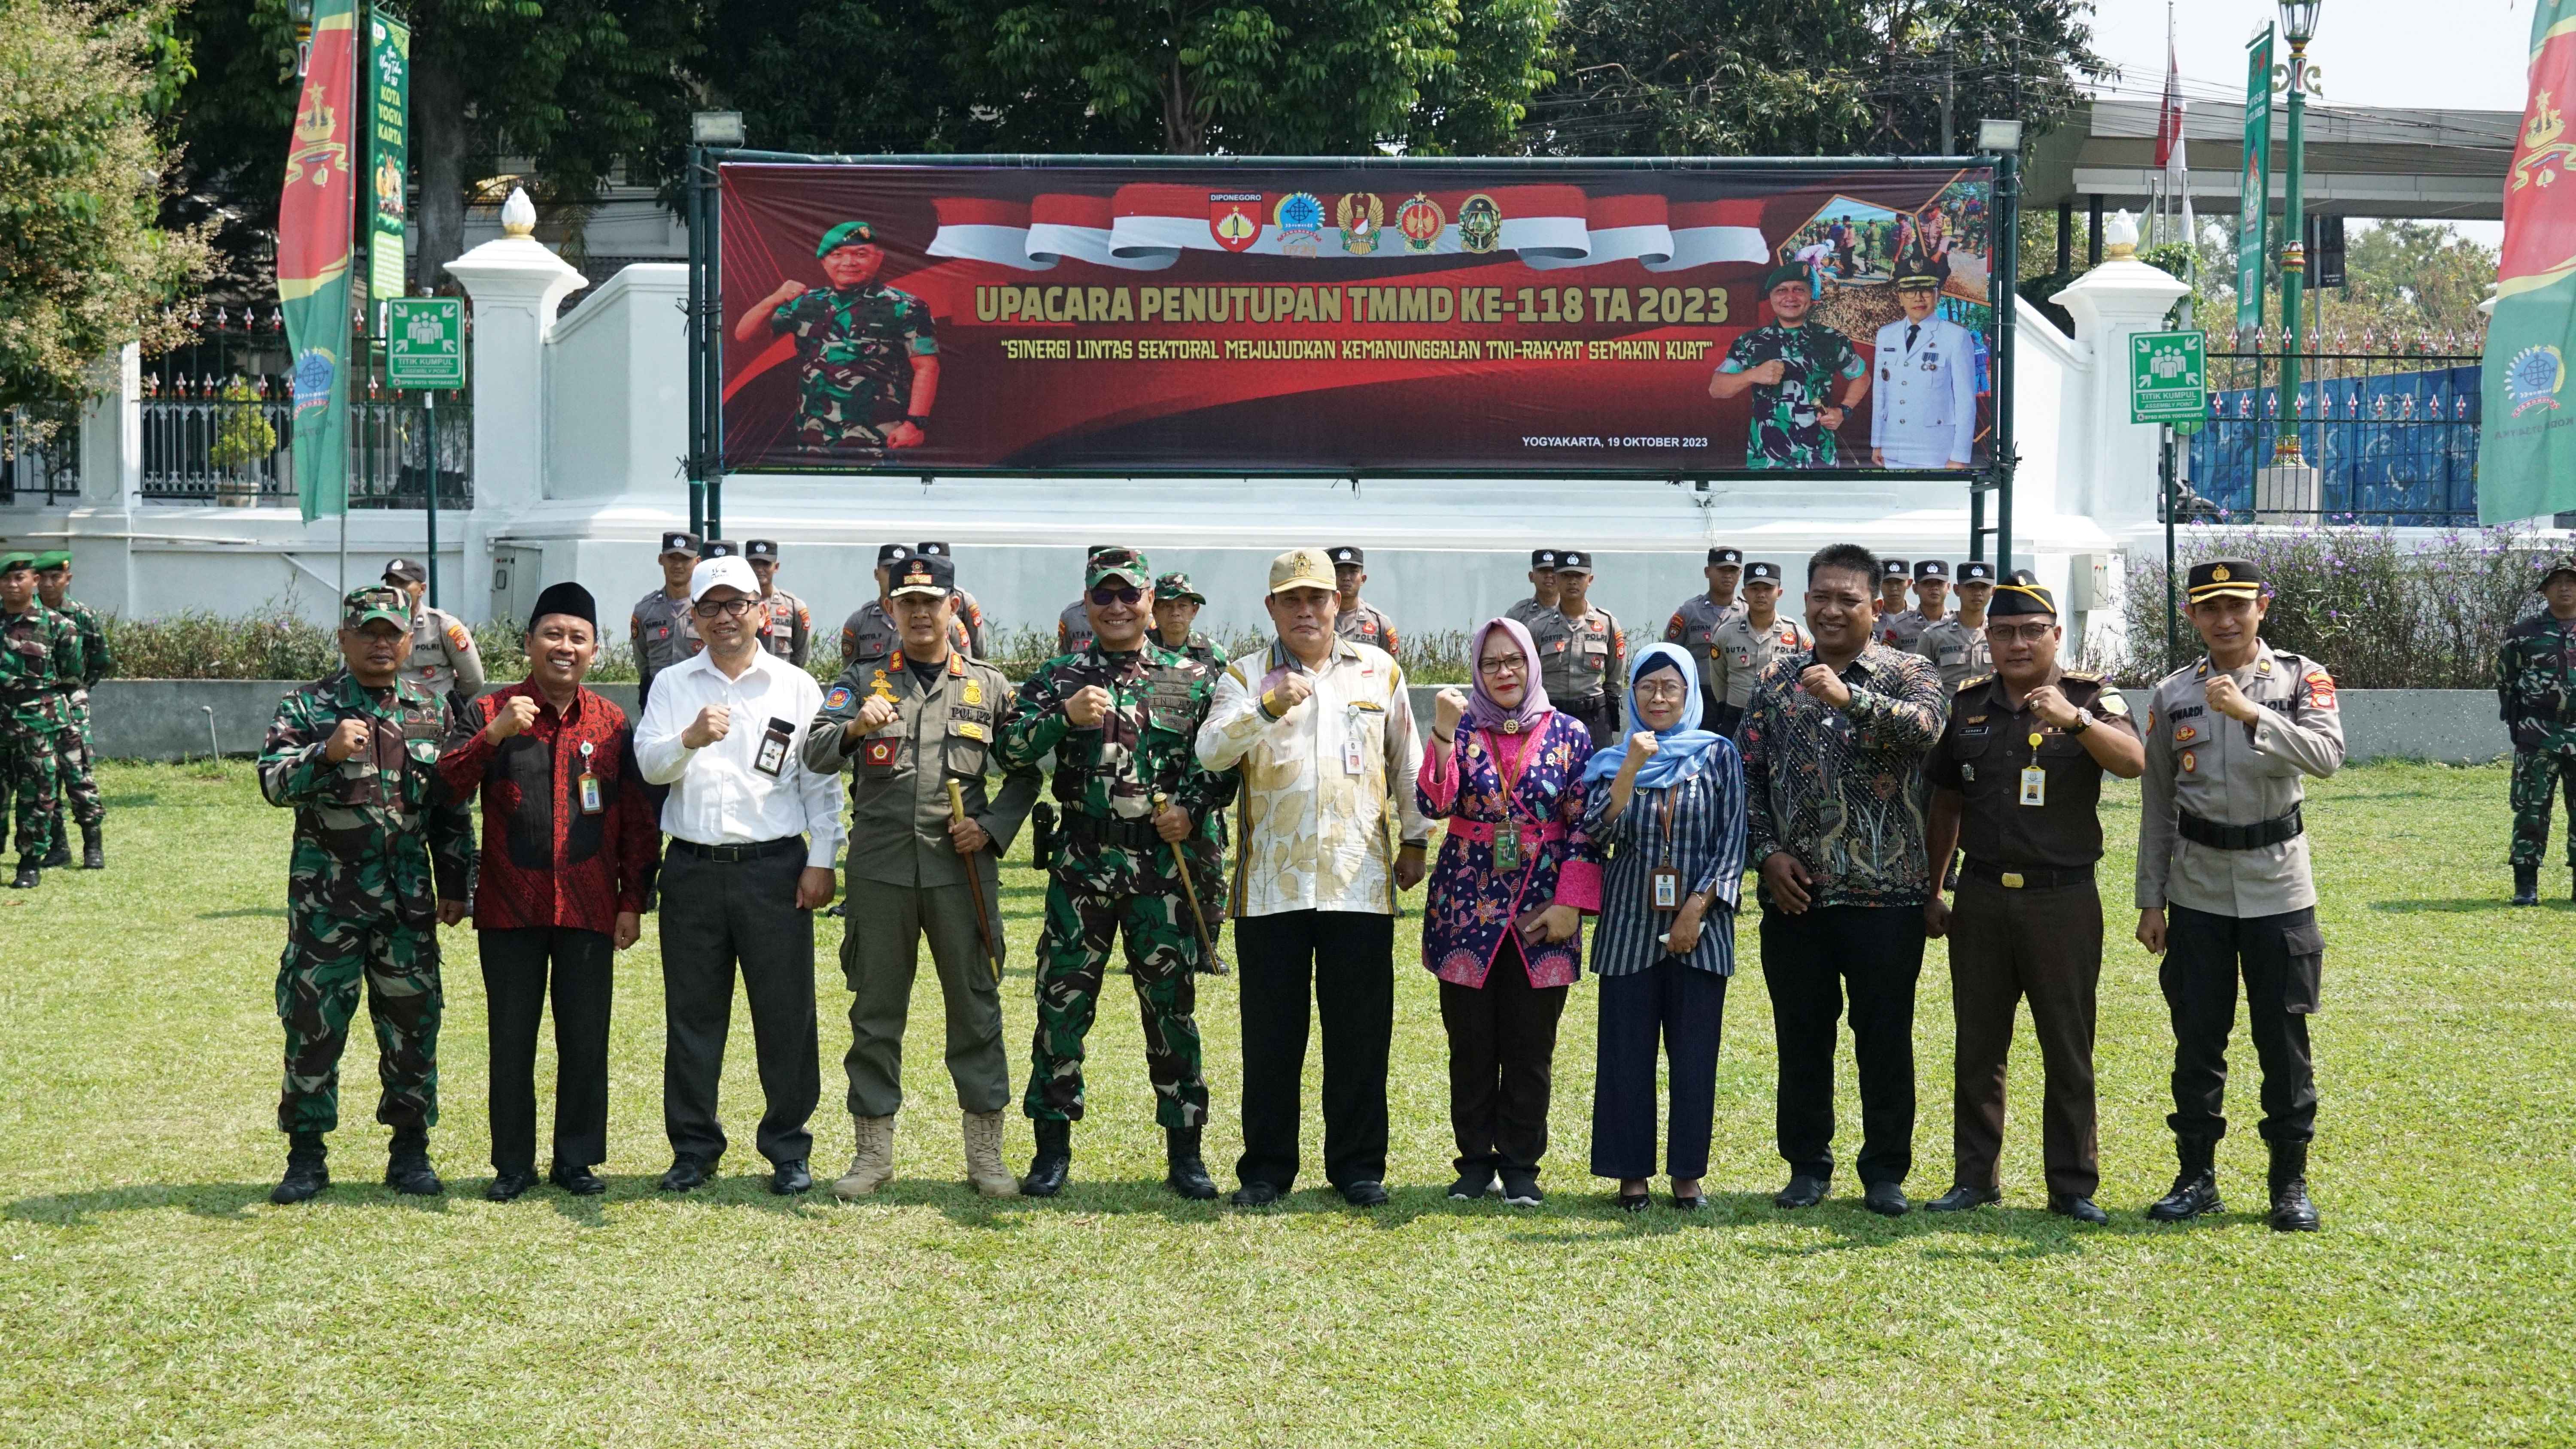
[1147,226]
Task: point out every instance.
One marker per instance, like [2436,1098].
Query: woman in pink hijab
[1503,926]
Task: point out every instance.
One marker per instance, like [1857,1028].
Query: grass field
[151,1295]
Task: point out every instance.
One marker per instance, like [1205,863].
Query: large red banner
[1255,318]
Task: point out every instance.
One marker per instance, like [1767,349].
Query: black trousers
[1721,718]
[1502,1055]
[718,915]
[520,969]
[2046,946]
[1597,713]
[1806,959]
[1686,1008]
[2283,960]
[1349,957]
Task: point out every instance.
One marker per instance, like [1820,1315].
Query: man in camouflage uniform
[383,857]
[970,614]
[1176,608]
[867,355]
[1790,365]
[1582,656]
[1122,719]
[1073,626]
[1956,643]
[444,661]
[40,656]
[787,625]
[1694,625]
[2536,687]
[1358,622]
[75,754]
[660,629]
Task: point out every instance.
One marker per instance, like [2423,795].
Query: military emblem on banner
[1421,221]
[1301,224]
[1480,223]
[1234,218]
[1361,217]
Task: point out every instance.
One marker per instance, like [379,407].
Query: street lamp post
[2298,26]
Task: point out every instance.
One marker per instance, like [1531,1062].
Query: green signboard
[387,86]
[2254,184]
[2168,378]
[425,342]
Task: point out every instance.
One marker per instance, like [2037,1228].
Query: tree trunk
[438,148]
[1184,129]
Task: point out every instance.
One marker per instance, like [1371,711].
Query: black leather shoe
[687,1174]
[2068,1205]
[1471,1186]
[1695,1203]
[1632,1202]
[1802,1192]
[2526,885]
[307,1172]
[29,876]
[93,847]
[579,1181]
[2292,1212]
[408,1170]
[2195,1187]
[1885,1199]
[1251,1194]
[1054,1160]
[1962,1197]
[1186,1172]
[507,1186]
[1520,1189]
[1365,1193]
[791,1178]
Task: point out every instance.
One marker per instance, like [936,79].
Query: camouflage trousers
[1097,892]
[75,781]
[327,959]
[30,773]
[2539,775]
[840,424]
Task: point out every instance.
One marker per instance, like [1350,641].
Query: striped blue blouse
[1707,848]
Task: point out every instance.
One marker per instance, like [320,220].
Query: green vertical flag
[315,219]
[2527,456]
[2254,187]
[388,85]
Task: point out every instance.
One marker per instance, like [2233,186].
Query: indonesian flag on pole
[2169,138]
[1146,227]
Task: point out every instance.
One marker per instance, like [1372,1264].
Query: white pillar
[111,481]
[2110,460]
[515,284]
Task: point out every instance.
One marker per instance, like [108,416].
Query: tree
[84,268]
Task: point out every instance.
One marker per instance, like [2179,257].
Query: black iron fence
[37,465]
[219,424]
[2393,437]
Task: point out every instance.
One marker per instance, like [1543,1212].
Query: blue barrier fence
[2394,438]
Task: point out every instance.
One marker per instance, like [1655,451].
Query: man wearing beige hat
[1322,730]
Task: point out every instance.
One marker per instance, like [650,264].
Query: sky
[2369,52]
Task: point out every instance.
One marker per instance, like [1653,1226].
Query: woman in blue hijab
[1668,804]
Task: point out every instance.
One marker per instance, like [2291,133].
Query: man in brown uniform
[2018,775]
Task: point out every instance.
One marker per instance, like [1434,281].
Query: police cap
[925,574]
[1762,573]
[678,542]
[1932,568]
[1976,571]
[2221,578]
[1726,557]
[757,549]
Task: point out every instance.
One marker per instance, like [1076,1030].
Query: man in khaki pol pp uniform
[2017,775]
[1694,625]
[869,633]
[1744,645]
[2223,882]
[660,629]
[970,614]
[1957,645]
[1541,604]
[444,661]
[909,726]
[1358,622]
[1582,656]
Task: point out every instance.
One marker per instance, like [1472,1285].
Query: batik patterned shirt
[1842,789]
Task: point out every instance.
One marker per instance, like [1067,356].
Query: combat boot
[94,847]
[2292,1212]
[874,1162]
[29,875]
[2526,885]
[60,857]
[2195,1188]
[407,1168]
[984,1169]
[1054,1159]
[308,1169]
[1187,1175]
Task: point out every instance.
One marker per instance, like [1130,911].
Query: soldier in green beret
[39,652]
[867,355]
[1791,365]
[75,778]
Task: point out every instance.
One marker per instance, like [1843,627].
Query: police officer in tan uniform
[444,661]
[790,631]
[1898,626]
[660,629]
[1693,626]
[1361,623]
[1744,645]
[1582,656]
[1956,645]
[2223,881]
[1541,604]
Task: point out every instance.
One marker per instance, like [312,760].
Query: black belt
[1136,834]
[736,854]
[2025,878]
[1597,700]
[2241,837]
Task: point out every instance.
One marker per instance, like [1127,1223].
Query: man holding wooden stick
[917,729]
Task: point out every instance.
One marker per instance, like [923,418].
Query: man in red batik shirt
[569,848]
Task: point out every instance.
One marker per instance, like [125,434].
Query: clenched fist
[348,740]
[1448,707]
[510,719]
[873,716]
[712,724]
[1821,682]
[1087,706]
[1291,691]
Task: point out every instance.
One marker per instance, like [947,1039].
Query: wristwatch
[2083,722]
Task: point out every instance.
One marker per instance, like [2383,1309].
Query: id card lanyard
[588,784]
[2034,780]
[1507,835]
[1666,881]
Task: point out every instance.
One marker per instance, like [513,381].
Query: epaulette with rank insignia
[2086,676]
[1979,682]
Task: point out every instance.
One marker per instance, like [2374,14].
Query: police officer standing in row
[1745,643]
[444,661]
[1956,643]
[75,775]
[1898,626]
[2223,881]
[910,727]
[2017,777]
[1693,626]
[869,632]
[660,628]
[1925,413]
[789,625]
[2536,687]
[1541,603]
[1358,622]
[1582,656]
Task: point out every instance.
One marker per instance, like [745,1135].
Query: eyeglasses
[1505,664]
[730,608]
[1663,689]
[2023,634]
[1105,596]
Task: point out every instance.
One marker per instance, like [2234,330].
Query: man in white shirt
[1322,729]
[753,838]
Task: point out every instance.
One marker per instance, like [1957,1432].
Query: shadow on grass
[276,913]
[209,1200]
[2459,906]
